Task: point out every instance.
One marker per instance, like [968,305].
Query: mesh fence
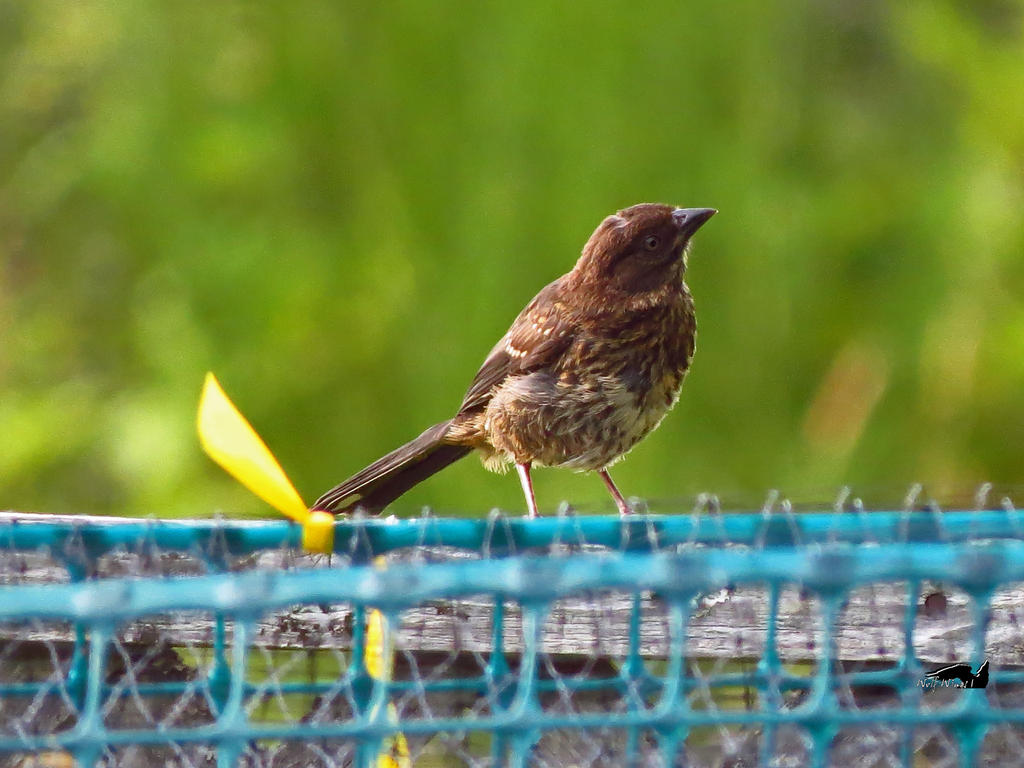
[774,637]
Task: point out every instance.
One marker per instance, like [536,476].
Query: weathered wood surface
[733,625]
[870,627]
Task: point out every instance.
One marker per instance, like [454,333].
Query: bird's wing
[540,334]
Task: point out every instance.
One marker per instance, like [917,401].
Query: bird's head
[641,248]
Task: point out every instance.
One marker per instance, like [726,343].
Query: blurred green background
[339,209]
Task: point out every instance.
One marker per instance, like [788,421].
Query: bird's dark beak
[689,220]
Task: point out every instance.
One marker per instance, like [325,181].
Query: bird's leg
[619,501]
[524,478]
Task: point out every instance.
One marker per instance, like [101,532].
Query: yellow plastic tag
[379,639]
[395,752]
[379,659]
[232,442]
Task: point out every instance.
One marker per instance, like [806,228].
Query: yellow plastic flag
[379,663]
[232,442]
[379,647]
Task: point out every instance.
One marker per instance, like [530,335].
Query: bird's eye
[651,242]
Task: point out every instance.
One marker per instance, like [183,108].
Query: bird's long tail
[389,477]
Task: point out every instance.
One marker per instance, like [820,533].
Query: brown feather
[376,486]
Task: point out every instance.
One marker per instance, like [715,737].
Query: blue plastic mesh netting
[771,638]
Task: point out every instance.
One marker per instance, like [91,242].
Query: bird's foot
[620,502]
[524,477]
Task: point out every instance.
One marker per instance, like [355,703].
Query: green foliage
[339,209]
